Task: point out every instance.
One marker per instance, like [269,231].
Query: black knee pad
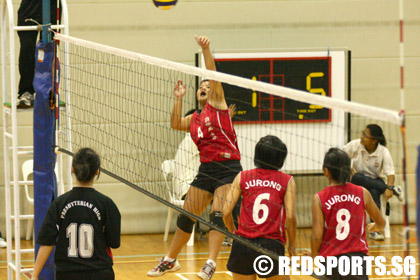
[216,218]
[185,223]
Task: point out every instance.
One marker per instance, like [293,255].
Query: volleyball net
[119,103]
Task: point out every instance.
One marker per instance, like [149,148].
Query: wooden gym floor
[139,253]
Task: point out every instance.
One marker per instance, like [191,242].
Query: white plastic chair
[168,167]
[28,169]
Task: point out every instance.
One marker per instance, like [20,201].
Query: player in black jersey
[83,224]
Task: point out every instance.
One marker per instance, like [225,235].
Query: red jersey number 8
[343,227]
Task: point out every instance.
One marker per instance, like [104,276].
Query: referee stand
[12,150]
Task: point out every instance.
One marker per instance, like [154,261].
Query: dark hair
[85,163]
[202,81]
[377,133]
[270,153]
[338,163]
[190,112]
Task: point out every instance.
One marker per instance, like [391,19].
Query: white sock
[213,263]
[168,259]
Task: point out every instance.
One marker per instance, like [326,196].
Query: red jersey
[262,212]
[213,133]
[343,207]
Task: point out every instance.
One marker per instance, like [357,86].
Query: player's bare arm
[317,226]
[217,95]
[43,254]
[374,213]
[177,121]
[291,221]
[231,198]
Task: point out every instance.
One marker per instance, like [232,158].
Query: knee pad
[216,218]
[185,223]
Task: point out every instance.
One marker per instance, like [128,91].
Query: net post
[46,21]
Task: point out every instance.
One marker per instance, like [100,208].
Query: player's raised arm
[317,226]
[217,96]
[291,221]
[204,43]
[177,121]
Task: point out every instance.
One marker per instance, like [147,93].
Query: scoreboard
[312,74]
[320,72]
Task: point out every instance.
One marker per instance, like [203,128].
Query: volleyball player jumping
[212,131]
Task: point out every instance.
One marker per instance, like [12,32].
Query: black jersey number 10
[84,246]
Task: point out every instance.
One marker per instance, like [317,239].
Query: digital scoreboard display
[311,74]
[321,72]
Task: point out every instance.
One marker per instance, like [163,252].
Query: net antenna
[119,103]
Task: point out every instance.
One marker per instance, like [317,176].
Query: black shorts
[241,260]
[212,175]
[101,274]
[336,275]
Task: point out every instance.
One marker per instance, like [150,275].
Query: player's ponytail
[85,164]
[338,164]
[377,133]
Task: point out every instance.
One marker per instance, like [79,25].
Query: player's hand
[232,110]
[292,251]
[388,194]
[372,227]
[202,41]
[180,89]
